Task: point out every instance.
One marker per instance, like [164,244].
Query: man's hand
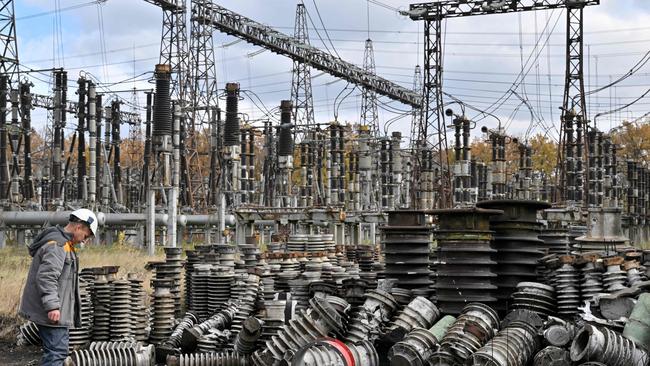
[54,316]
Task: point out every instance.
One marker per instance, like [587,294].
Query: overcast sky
[483,55]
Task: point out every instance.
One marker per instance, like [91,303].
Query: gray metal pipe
[36,218]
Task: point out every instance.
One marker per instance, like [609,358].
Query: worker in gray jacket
[51,294]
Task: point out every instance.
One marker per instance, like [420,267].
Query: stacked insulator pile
[121,325]
[419,313]
[465,267]
[277,313]
[113,353]
[163,311]
[372,316]
[606,346]
[217,322]
[516,240]
[297,243]
[246,287]
[81,336]
[476,324]
[138,313]
[218,291]
[406,247]
[171,269]
[535,297]
[320,320]
[592,278]
[28,335]
[199,303]
[419,345]
[246,341]
[102,304]
[515,345]
[614,278]
[335,352]
[567,287]
[208,359]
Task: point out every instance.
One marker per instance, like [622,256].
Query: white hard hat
[86,216]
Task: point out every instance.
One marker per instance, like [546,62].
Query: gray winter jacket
[53,280]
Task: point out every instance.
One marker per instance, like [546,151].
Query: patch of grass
[15,262]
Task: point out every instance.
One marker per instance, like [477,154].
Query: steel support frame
[431,128]
[571,162]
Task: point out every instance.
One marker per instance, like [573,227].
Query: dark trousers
[55,345]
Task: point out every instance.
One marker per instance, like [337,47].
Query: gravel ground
[10,355]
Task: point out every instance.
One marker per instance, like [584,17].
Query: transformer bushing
[552,356]
[334,352]
[173,343]
[171,269]
[475,325]
[465,267]
[419,313]
[102,307]
[516,242]
[419,345]
[535,297]
[121,325]
[81,336]
[245,343]
[637,328]
[567,287]
[406,249]
[163,311]
[218,291]
[319,321]
[514,345]
[218,321]
[592,278]
[162,114]
[605,345]
[231,126]
[285,153]
[614,278]
[113,353]
[208,359]
[246,288]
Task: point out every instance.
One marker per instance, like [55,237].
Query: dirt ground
[10,355]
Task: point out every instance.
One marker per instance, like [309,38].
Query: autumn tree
[544,154]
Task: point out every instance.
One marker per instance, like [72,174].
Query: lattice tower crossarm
[256,33]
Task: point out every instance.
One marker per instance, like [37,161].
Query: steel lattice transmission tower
[9,60]
[301,95]
[173,44]
[369,112]
[574,125]
[202,98]
[432,13]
